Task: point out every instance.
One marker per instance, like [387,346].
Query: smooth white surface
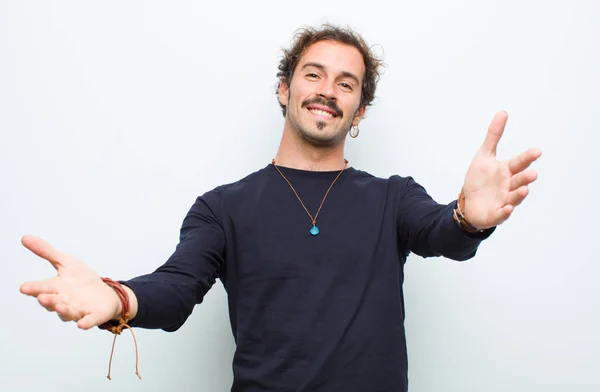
[114,116]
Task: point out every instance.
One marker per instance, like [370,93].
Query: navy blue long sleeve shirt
[308,313]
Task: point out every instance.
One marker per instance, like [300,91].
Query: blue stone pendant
[314,230]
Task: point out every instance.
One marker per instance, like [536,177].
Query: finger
[503,214]
[494,133]
[523,160]
[87,322]
[67,313]
[522,178]
[49,301]
[48,286]
[517,196]
[43,249]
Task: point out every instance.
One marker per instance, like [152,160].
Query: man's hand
[494,188]
[77,293]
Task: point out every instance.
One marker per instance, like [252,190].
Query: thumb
[88,321]
[494,133]
[44,250]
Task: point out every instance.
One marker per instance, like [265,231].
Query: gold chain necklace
[314,230]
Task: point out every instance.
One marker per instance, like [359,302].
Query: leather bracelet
[116,327]
[459,217]
[124,297]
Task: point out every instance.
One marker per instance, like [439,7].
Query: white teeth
[321,112]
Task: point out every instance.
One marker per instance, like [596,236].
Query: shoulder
[393,182]
[236,189]
[211,202]
[243,186]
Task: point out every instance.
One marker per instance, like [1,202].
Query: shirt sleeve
[428,229]
[167,296]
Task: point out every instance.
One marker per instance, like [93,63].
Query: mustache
[320,101]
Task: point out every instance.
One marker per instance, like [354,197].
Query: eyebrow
[322,68]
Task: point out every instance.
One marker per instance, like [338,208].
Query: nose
[326,90]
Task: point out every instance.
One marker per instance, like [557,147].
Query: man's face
[323,98]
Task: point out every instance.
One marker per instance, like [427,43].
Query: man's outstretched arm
[491,191]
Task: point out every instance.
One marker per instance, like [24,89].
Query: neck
[297,154]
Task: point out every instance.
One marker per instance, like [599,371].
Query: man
[310,250]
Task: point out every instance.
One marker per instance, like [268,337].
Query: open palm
[77,293]
[494,188]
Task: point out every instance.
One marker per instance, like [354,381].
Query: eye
[312,76]
[346,86]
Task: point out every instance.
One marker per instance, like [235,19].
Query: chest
[269,236]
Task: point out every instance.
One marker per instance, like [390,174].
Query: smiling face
[323,98]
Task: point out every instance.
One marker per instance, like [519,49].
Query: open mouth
[323,112]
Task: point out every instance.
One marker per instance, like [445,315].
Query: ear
[359,115]
[283,93]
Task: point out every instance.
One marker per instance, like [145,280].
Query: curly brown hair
[308,36]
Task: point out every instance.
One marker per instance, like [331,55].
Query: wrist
[116,302]
[459,216]
[121,304]
[133,304]
[118,306]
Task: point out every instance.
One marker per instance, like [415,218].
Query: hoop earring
[354,131]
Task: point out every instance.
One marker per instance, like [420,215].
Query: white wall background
[114,116]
